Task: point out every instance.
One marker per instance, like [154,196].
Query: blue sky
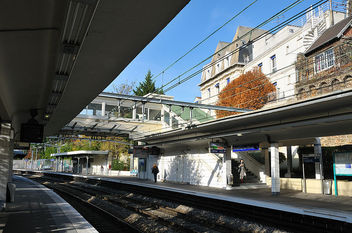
[197,20]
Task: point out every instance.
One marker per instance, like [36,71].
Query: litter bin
[11,188]
[327,187]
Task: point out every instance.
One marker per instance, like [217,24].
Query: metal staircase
[317,23]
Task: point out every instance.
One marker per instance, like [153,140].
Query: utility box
[11,189]
[327,184]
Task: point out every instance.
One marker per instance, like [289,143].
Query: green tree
[147,86]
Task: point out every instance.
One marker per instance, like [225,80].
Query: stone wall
[339,140]
[311,83]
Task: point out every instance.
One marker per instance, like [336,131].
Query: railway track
[150,210]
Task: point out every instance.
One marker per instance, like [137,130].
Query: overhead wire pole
[206,38]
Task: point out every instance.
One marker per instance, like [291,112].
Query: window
[273,63]
[217,86]
[324,60]
[217,68]
[226,64]
[227,81]
[207,74]
[260,65]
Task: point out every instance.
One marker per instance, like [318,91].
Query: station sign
[252,147]
[310,158]
[21,145]
[143,151]
[217,147]
[343,164]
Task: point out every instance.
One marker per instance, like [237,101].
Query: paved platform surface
[39,209]
[325,206]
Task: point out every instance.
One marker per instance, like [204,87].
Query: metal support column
[190,115]
[267,161]
[78,165]
[143,111]
[289,161]
[36,156]
[119,108]
[87,157]
[319,165]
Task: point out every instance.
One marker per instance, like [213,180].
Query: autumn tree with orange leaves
[250,90]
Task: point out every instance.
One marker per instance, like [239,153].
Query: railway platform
[39,209]
[258,196]
[318,205]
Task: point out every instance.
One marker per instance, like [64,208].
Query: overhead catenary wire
[346,82]
[206,38]
[236,50]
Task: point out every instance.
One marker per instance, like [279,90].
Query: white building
[274,53]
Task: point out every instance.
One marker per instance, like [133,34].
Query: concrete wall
[314,186]
[192,166]
[99,160]
[6,157]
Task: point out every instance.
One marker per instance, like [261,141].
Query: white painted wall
[195,166]
[99,160]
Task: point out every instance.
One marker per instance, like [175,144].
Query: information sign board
[245,148]
[217,147]
[343,163]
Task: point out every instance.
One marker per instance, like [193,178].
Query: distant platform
[39,209]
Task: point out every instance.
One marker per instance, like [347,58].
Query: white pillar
[228,172]
[162,115]
[6,157]
[103,108]
[131,162]
[170,116]
[275,169]
[134,111]
[119,108]
[190,115]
